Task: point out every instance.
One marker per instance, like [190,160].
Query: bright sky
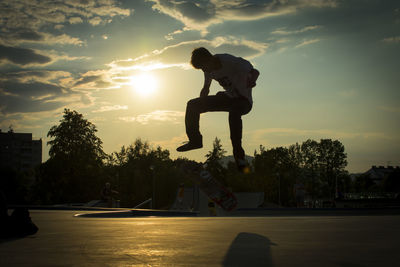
[329,69]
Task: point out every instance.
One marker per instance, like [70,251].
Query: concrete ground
[65,240]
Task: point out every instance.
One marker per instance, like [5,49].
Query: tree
[332,161]
[309,163]
[275,173]
[73,172]
[213,161]
[138,169]
[324,164]
[319,165]
[75,138]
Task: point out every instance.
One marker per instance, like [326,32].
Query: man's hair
[199,55]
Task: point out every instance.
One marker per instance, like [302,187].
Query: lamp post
[279,188]
[153,199]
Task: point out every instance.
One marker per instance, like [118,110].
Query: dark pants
[221,102]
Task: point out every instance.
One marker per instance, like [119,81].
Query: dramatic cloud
[24,20]
[34,75]
[13,105]
[21,36]
[179,55]
[17,14]
[199,15]
[37,91]
[26,57]
[169,116]
[22,56]
[33,90]
[100,79]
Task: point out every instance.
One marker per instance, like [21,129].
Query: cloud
[169,116]
[75,20]
[15,105]
[34,75]
[22,56]
[178,55]
[305,29]
[127,119]
[170,36]
[18,14]
[58,26]
[37,91]
[199,15]
[110,108]
[99,79]
[26,57]
[308,42]
[392,40]
[24,21]
[22,36]
[95,21]
[32,90]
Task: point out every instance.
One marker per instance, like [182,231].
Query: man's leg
[236,128]
[196,106]
[240,108]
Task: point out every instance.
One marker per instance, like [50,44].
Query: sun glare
[144,84]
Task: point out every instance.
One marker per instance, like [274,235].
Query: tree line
[78,168]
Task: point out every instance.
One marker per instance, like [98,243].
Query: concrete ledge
[61,207]
[139,213]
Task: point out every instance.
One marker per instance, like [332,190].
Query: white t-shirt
[233,76]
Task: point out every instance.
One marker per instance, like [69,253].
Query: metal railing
[150,200]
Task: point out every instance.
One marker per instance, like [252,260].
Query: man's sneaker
[190,146]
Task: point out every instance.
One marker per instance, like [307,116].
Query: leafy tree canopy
[75,138]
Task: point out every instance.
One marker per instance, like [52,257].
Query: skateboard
[210,186]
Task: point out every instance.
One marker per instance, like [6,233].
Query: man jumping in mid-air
[237,76]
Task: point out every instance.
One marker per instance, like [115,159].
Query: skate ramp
[195,200]
[189,201]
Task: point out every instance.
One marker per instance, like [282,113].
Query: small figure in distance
[237,77]
[181,196]
[107,195]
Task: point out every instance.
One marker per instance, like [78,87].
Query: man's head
[201,58]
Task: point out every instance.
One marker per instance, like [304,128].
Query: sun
[144,84]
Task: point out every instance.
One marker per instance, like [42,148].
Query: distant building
[20,151]
[377,174]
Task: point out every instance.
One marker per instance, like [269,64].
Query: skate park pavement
[67,240]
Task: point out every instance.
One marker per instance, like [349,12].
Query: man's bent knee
[193,104]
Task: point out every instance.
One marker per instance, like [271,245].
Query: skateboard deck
[210,186]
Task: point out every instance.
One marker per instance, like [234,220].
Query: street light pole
[153,199]
[279,188]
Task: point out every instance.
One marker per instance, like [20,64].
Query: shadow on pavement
[249,249]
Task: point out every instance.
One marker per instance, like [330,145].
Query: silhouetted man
[237,76]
